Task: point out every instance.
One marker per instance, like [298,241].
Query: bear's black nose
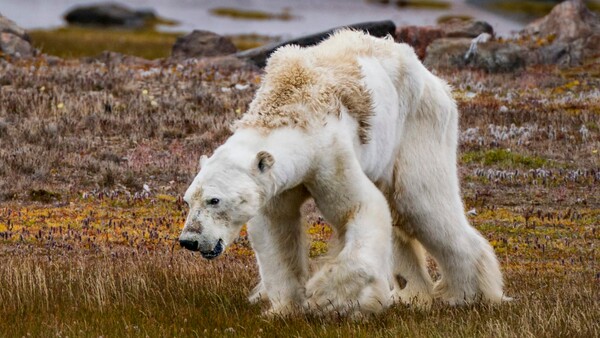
[190,245]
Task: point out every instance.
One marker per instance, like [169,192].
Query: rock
[108,14]
[201,44]
[569,20]
[447,52]
[14,41]
[419,37]
[492,56]
[465,28]
[9,26]
[146,13]
[496,56]
[571,33]
[15,46]
[259,56]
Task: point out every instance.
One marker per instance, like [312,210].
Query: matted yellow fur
[301,86]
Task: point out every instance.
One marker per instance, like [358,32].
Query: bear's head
[228,191]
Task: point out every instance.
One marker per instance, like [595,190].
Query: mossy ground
[88,250]
[242,14]
[75,42]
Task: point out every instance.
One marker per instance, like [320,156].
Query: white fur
[409,162]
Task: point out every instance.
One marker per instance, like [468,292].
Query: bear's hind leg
[411,266]
[467,262]
[279,241]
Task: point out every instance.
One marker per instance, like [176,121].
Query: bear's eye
[213,201]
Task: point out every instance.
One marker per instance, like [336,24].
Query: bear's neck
[291,150]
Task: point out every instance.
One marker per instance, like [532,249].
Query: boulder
[492,56]
[569,20]
[259,55]
[199,44]
[420,37]
[568,35]
[9,26]
[458,28]
[108,14]
[14,41]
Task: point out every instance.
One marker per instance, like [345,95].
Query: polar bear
[361,126]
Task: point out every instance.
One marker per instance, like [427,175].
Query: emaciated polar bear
[361,126]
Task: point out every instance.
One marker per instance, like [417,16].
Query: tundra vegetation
[95,155]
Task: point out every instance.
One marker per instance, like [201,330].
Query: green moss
[503,158]
[250,14]
[73,42]
[425,4]
[592,126]
[452,17]
[76,41]
[249,41]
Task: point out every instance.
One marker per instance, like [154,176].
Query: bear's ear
[264,161]
[203,159]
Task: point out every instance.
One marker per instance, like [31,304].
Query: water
[311,15]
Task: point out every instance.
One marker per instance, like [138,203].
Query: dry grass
[177,294]
[74,126]
[86,250]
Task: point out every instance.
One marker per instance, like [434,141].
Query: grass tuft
[503,158]
[251,14]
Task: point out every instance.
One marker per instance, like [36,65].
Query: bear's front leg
[279,242]
[357,279]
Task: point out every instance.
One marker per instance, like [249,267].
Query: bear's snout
[214,253]
[189,244]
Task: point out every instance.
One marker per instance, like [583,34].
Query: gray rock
[560,53]
[9,26]
[259,56]
[491,56]
[466,29]
[202,44]
[569,20]
[447,52]
[573,33]
[14,41]
[420,37]
[108,14]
